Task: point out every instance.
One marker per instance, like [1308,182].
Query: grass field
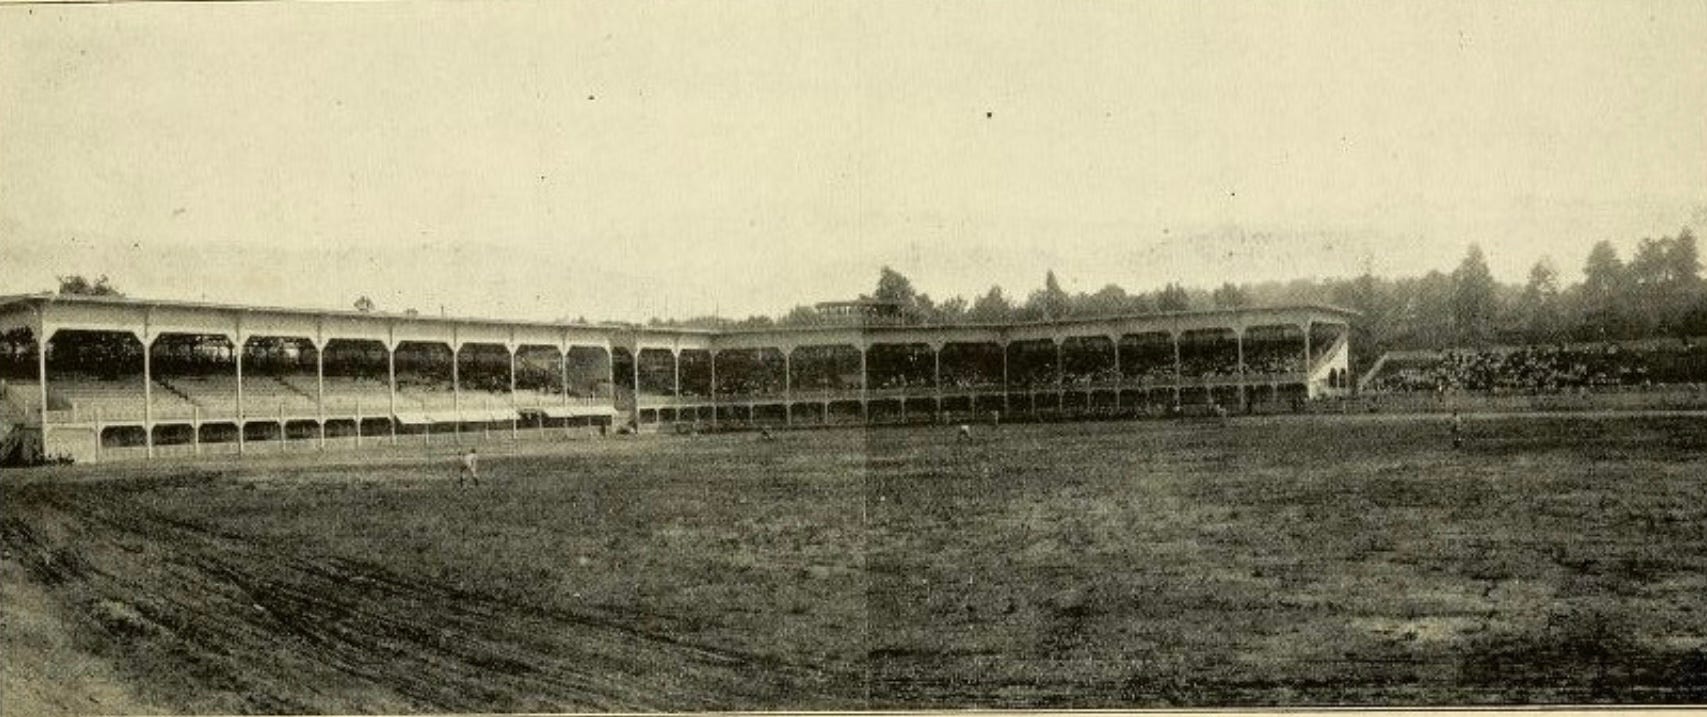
[1333,560]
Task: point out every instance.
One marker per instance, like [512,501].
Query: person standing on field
[1457,430]
[470,469]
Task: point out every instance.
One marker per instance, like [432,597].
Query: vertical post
[636,364]
[1307,366]
[788,386]
[390,384]
[513,411]
[1179,371]
[237,351]
[936,379]
[98,429]
[358,421]
[41,371]
[713,353]
[1119,374]
[320,388]
[281,427]
[195,428]
[147,389]
[864,389]
[1005,407]
[563,373]
[1239,338]
[456,383]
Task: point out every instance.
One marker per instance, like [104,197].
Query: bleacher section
[1543,369]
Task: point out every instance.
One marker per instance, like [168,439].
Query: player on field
[965,433]
[470,468]
[1457,430]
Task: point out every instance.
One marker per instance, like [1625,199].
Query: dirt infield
[1282,561]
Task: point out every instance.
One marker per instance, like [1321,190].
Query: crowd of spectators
[1544,369]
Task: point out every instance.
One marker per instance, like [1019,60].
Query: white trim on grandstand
[1085,375]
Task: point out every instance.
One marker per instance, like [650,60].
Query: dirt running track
[221,623]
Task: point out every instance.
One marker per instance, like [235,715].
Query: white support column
[237,354]
[788,386]
[1006,409]
[713,353]
[1179,372]
[390,383]
[864,388]
[320,386]
[148,386]
[513,410]
[1307,367]
[1119,374]
[936,378]
[456,381]
[1239,337]
[42,337]
[195,430]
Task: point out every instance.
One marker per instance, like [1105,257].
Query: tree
[1603,292]
[893,287]
[992,307]
[1473,299]
[1230,296]
[364,305]
[1538,315]
[77,285]
[1051,302]
[1173,297]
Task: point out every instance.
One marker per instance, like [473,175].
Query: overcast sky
[618,160]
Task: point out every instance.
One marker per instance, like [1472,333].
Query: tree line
[1658,291]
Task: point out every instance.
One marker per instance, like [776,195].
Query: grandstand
[125,378]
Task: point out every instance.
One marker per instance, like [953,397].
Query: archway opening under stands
[195,377]
[901,368]
[539,381]
[357,378]
[483,371]
[1147,358]
[696,374]
[1088,361]
[20,389]
[747,374]
[426,396]
[1033,365]
[590,374]
[279,378]
[657,375]
[971,366]
[127,436]
[824,371]
[95,373]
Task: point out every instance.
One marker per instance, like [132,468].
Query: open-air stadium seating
[1552,368]
[89,399]
[263,396]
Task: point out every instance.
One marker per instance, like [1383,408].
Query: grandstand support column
[1119,373]
[936,378]
[1006,409]
[148,385]
[1060,380]
[1239,338]
[195,430]
[358,421]
[788,386]
[390,382]
[456,381]
[1179,371]
[237,354]
[864,402]
[1307,327]
[41,370]
[512,348]
[320,385]
[713,353]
